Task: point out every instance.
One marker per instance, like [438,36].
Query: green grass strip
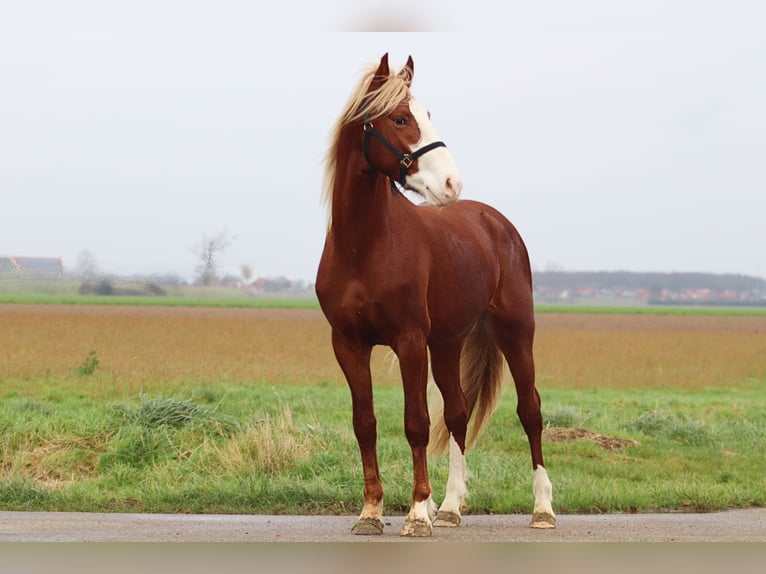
[291,449]
[310,302]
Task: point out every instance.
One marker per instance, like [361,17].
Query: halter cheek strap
[405,159]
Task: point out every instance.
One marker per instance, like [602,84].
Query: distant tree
[87,270]
[247,273]
[208,252]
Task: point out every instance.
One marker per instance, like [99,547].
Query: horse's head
[400,141]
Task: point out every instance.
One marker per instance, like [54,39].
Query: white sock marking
[543,490]
[456,488]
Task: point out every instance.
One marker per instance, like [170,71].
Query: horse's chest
[369,310]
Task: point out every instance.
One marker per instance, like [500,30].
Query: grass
[196,297]
[290,449]
[245,411]
[697,450]
[236,301]
[309,301]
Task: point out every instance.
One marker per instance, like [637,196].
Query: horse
[446,283]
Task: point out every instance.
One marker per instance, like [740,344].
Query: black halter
[405,159]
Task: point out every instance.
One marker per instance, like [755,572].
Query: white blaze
[437,178]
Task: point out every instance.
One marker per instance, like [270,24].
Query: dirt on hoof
[543,521]
[368,527]
[555,434]
[445,519]
[417,528]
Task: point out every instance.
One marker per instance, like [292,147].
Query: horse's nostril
[452,187]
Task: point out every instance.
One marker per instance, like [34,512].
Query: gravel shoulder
[745,525]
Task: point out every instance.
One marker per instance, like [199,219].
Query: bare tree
[208,252]
[87,270]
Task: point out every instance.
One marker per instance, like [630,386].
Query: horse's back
[489,227]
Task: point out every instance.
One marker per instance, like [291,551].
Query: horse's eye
[400,121]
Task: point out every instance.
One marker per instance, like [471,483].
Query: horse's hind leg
[445,365]
[454,497]
[515,339]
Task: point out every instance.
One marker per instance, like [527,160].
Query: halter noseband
[405,159]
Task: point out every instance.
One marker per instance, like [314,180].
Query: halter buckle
[406,161]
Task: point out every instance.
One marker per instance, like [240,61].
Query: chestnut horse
[450,279]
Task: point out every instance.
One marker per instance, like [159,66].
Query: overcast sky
[615,135]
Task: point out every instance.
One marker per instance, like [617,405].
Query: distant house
[36,266]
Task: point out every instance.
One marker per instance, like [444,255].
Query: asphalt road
[748,525]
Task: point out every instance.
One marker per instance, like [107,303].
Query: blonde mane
[375,104]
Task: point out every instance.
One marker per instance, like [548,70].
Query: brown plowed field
[161,348]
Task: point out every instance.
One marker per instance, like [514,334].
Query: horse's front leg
[354,360]
[413,359]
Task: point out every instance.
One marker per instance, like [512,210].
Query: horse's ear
[381,74]
[408,71]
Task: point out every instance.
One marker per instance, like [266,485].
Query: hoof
[417,528]
[447,519]
[368,527]
[543,520]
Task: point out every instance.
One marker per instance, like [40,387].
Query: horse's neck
[361,208]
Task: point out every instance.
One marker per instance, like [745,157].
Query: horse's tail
[481,378]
